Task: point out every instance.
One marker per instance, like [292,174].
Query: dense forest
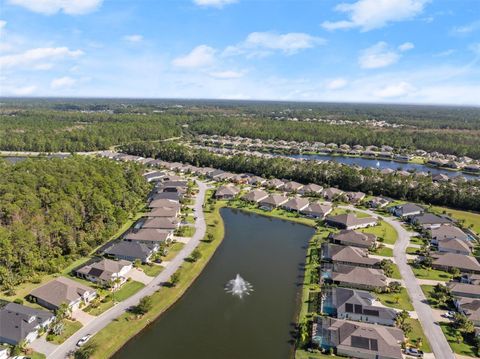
[461,195]
[71,125]
[65,131]
[53,211]
[460,143]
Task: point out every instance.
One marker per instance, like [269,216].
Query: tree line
[461,195]
[53,211]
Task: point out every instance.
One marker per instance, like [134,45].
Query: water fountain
[238,287]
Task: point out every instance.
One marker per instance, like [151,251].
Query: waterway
[210,323]
[381,164]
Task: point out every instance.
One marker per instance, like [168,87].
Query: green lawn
[127,290]
[303,354]
[383,251]
[417,240]
[428,290]
[102,307]
[396,300]
[151,270]
[383,231]
[396,272]
[36,355]
[173,250]
[416,333]
[412,250]
[461,348]
[71,326]
[185,231]
[432,274]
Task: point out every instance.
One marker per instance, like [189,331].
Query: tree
[387,267]
[196,255]
[458,337]
[463,324]
[114,285]
[86,351]
[144,306]
[174,279]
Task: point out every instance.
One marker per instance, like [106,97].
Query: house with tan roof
[446,231]
[105,271]
[273,201]
[310,189]
[317,210]
[358,340]
[357,277]
[296,204]
[355,197]
[354,256]
[332,193]
[150,236]
[459,289]
[470,307]
[292,186]
[275,183]
[255,196]
[226,192]
[353,238]
[163,223]
[455,245]
[60,291]
[350,221]
[167,212]
[447,261]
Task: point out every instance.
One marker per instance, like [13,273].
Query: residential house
[332,193]
[350,221]
[273,201]
[353,238]
[256,180]
[455,245]
[105,271]
[167,203]
[379,202]
[19,323]
[4,350]
[458,289]
[311,189]
[226,192]
[406,210]
[357,277]
[358,340]
[296,204]
[446,231]
[354,256]
[292,186]
[470,307]
[470,278]
[153,236]
[429,220]
[275,183]
[168,212]
[317,210]
[132,251]
[154,176]
[448,261]
[357,305]
[60,291]
[255,196]
[163,223]
[355,197]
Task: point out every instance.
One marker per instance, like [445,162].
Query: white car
[449,315]
[83,340]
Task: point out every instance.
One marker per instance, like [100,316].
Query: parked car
[414,352]
[83,340]
[449,315]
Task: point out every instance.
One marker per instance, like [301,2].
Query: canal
[210,323]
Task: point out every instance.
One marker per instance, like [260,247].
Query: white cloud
[466,29]
[3,23]
[62,82]
[379,55]
[214,3]
[20,91]
[35,57]
[445,53]
[50,7]
[336,84]
[406,46]
[133,38]
[200,56]
[373,14]
[263,43]
[399,89]
[227,74]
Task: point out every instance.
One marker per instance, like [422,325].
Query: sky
[391,51]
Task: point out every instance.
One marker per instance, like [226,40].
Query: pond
[209,323]
[381,164]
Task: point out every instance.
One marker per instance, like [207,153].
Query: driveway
[440,347]
[41,345]
[105,318]
[139,276]
[82,317]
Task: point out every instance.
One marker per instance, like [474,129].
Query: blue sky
[406,51]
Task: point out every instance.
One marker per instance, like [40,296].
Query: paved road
[105,318]
[440,347]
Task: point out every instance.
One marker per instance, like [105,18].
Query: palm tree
[114,284]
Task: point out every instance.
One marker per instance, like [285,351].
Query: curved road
[63,350]
[440,347]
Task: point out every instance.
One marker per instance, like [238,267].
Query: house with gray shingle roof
[60,291]
[406,210]
[273,201]
[357,277]
[105,271]
[132,250]
[354,256]
[447,261]
[295,204]
[458,289]
[255,196]
[19,323]
[358,340]
[350,221]
[357,305]
[353,238]
[446,231]
[455,245]
[226,192]
[317,210]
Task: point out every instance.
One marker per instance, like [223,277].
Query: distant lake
[209,323]
[381,164]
